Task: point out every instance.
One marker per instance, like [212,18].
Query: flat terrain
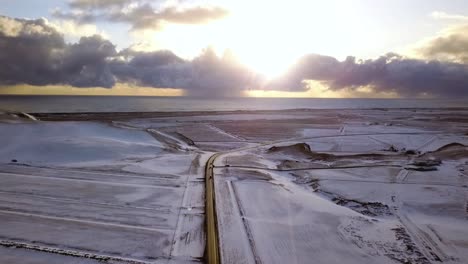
[297,186]
[83,192]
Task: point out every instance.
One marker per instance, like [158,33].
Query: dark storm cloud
[451,46]
[206,75]
[35,53]
[389,73]
[85,63]
[152,69]
[31,52]
[140,14]
[215,76]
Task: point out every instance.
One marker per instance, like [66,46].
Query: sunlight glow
[269,38]
[120,89]
[319,90]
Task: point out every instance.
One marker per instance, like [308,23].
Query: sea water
[68,104]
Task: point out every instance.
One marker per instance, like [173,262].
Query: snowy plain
[302,186]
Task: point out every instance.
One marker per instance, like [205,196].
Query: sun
[261,39]
[269,37]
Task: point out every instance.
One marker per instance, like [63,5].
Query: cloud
[390,73]
[75,16]
[153,69]
[31,52]
[219,76]
[11,27]
[450,45]
[140,14]
[85,63]
[192,15]
[91,4]
[35,53]
[206,75]
[72,31]
[145,17]
[447,16]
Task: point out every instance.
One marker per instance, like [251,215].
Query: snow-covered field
[321,186]
[364,193]
[84,192]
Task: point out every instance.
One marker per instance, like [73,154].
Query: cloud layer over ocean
[34,52]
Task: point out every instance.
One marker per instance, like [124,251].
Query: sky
[333,48]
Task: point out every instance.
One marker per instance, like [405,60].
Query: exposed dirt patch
[300,156]
[407,152]
[421,168]
[303,157]
[296,148]
[300,149]
[391,148]
[303,150]
[429,161]
[183,138]
[411,252]
[373,209]
[366,208]
[452,151]
[68,252]
[294,164]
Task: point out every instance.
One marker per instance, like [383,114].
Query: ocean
[69,104]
